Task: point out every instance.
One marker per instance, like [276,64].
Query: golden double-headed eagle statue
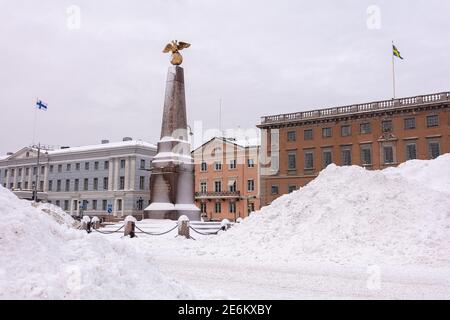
[175,47]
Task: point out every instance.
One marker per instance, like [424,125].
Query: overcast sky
[105,79]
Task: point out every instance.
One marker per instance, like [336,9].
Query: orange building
[226,179]
[373,135]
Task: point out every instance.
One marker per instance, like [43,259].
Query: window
[232,207]
[433,149]
[68,167]
[326,132]
[76,185]
[203,207]
[19,172]
[84,204]
[386,126]
[250,163]
[346,157]
[218,166]
[58,203]
[104,205]
[142,163]
[67,188]
[346,131]
[59,168]
[105,183]
[291,136]
[292,163]
[366,155]
[365,128]
[411,151]
[94,204]
[6,173]
[96,165]
[106,165]
[250,185]
[13,172]
[77,166]
[410,123]
[432,121]
[251,207]
[204,166]
[119,204]
[50,185]
[308,134]
[42,170]
[218,207]
[66,205]
[274,189]
[326,158]
[309,160]
[58,185]
[86,166]
[34,171]
[217,186]
[95,184]
[26,185]
[50,169]
[233,164]
[292,188]
[203,187]
[86,184]
[141,183]
[122,183]
[27,171]
[388,153]
[19,185]
[122,163]
[75,205]
[11,185]
[232,185]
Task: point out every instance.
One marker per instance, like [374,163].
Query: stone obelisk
[172,178]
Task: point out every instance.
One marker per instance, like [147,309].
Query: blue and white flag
[41,105]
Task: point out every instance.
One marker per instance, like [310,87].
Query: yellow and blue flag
[396,52]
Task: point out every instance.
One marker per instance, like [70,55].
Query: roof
[104,146]
[246,143]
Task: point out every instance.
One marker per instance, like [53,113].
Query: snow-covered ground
[351,233]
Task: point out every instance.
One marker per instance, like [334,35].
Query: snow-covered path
[221,279]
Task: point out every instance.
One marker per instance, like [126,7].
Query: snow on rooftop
[112,145]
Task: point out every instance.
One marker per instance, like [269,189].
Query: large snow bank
[42,259]
[349,215]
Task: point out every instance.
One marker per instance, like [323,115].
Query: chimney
[105,141]
[127,139]
[9,153]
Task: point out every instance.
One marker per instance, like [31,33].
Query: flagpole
[35,120]
[393,69]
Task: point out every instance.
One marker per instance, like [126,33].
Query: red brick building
[373,135]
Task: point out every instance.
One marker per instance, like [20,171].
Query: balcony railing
[221,194]
[365,107]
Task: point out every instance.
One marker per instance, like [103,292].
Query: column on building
[22,178]
[111,174]
[8,175]
[116,175]
[46,178]
[132,173]
[15,177]
[127,173]
[30,177]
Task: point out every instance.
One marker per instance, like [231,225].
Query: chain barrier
[156,234]
[109,232]
[207,233]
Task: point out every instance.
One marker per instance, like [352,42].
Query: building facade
[226,179]
[105,180]
[372,135]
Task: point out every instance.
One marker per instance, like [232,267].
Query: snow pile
[42,259]
[349,215]
[58,214]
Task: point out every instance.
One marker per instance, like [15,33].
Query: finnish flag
[41,105]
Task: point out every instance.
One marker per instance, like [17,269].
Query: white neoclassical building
[108,179]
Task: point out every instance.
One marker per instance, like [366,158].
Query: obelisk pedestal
[172,179]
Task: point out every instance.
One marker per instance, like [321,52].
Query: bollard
[130,224]
[183,227]
[225,224]
[86,224]
[95,221]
